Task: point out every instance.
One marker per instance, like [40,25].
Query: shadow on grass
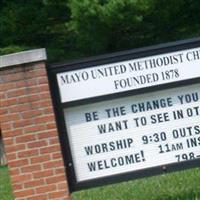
[189,195]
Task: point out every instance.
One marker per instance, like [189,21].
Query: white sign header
[129,75]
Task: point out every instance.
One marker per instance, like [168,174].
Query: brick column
[29,130]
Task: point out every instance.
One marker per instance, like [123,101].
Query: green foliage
[105,26]
[33,24]
[77,28]
[173,20]
[12,49]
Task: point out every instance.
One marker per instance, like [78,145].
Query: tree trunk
[3,160]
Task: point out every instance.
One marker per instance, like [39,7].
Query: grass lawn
[184,185]
[5,187]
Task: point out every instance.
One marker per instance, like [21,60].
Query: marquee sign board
[128,115]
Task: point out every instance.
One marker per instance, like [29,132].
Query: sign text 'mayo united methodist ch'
[131,114]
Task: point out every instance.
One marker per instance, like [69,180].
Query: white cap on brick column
[23,57]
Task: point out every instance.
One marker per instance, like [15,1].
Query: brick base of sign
[30,136]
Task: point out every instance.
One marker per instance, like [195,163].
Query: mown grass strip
[5,186]
[184,185]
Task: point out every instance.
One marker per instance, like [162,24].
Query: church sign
[129,115]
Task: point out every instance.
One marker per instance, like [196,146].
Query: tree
[170,20]
[78,28]
[3,160]
[29,24]
[106,26]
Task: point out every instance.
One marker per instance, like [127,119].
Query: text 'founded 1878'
[128,75]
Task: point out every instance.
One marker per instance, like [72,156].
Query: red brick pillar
[28,127]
